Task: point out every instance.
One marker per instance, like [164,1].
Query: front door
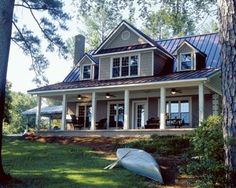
[84,115]
[139,115]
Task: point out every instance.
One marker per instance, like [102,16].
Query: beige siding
[104,68]
[146,63]
[117,40]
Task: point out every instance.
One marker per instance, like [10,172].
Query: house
[131,78]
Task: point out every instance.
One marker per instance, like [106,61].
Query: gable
[124,37]
[185,49]
[85,61]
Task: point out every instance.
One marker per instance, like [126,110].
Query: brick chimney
[79,48]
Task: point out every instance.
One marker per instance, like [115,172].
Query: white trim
[108,111]
[125,52]
[193,57]
[120,71]
[185,43]
[116,30]
[134,102]
[91,72]
[157,84]
[177,98]
[85,55]
[153,63]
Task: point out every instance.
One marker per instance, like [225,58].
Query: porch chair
[153,123]
[102,124]
[76,123]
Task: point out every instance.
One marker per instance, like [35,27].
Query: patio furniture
[153,123]
[102,124]
[177,122]
[78,123]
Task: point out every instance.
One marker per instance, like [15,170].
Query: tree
[227,18]
[8,105]
[25,38]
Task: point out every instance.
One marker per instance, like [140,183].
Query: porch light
[173,91]
[79,97]
[108,95]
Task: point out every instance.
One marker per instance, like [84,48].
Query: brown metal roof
[205,73]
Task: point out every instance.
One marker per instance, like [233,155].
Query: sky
[18,67]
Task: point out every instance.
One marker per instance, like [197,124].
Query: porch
[127,109]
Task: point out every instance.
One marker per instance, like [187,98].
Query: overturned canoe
[139,162]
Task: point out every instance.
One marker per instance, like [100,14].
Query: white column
[38,112]
[163,108]
[93,114]
[201,102]
[126,115]
[63,117]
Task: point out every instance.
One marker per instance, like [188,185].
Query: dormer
[88,67]
[188,57]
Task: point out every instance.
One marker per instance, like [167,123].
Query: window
[87,72]
[178,110]
[186,61]
[116,115]
[125,66]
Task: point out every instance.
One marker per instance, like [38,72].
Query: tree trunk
[6,14]
[227,16]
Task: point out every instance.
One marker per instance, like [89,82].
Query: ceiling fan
[80,97]
[109,95]
[174,91]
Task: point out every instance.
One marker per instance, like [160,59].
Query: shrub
[208,153]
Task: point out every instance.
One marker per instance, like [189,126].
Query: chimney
[79,48]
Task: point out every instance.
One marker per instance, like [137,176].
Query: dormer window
[126,66]
[86,72]
[186,61]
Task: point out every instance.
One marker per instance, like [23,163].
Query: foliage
[208,153]
[20,102]
[163,145]
[48,24]
[57,165]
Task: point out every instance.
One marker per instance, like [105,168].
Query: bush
[208,153]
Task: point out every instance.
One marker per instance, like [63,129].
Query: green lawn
[62,166]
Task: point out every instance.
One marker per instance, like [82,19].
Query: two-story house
[131,78]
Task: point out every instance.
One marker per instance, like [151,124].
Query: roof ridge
[189,36]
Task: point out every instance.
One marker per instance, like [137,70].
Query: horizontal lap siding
[146,63]
[104,68]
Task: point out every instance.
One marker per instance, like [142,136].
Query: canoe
[139,162]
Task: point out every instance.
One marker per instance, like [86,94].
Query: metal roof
[205,73]
[45,111]
[206,43]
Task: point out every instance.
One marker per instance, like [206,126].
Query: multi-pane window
[125,66]
[87,72]
[116,115]
[186,61]
[116,67]
[178,110]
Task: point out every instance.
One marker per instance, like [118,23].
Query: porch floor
[117,133]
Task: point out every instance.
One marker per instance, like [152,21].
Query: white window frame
[91,72]
[133,111]
[179,99]
[120,57]
[108,111]
[180,62]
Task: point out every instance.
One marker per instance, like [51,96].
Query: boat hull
[139,162]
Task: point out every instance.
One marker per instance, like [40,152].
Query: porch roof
[177,76]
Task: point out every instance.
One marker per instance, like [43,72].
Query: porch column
[64,108]
[38,112]
[93,114]
[201,102]
[163,108]
[126,115]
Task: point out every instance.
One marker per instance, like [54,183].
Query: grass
[40,165]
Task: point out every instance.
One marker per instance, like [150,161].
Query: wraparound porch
[130,107]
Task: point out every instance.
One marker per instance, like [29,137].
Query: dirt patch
[107,146]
